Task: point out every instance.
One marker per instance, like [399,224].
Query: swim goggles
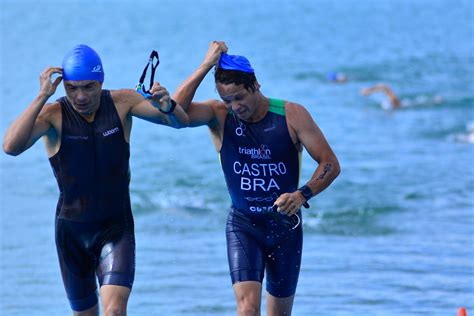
[141,86]
[295,219]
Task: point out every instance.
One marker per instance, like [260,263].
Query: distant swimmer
[393,102]
[467,137]
[392,98]
[337,77]
[259,141]
[87,135]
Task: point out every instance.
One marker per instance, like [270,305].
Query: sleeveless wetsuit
[260,162]
[94,224]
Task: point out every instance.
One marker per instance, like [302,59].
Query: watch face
[306,191]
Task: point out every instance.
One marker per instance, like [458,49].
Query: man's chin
[243,116]
[83,109]
[85,113]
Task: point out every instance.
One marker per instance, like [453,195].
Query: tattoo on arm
[327,168]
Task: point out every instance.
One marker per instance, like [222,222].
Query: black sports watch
[173,105]
[306,192]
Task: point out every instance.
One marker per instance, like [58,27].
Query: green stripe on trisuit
[277,106]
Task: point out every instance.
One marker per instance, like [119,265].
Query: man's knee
[248,307]
[114,300]
[115,306]
[114,309]
[248,310]
[249,303]
[279,305]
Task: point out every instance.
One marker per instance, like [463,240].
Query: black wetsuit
[94,223]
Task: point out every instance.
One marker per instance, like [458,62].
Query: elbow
[336,168]
[184,122]
[9,149]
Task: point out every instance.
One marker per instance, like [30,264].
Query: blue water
[392,236]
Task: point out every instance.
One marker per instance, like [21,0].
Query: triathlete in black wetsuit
[87,139]
[94,224]
[260,141]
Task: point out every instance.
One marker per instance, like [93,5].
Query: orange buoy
[462,311]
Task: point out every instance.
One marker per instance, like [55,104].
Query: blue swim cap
[82,63]
[332,76]
[337,77]
[235,62]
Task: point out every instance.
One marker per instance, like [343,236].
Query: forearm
[185,93]
[391,95]
[374,89]
[20,131]
[324,175]
[289,203]
[178,118]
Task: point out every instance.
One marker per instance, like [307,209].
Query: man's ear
[256,86]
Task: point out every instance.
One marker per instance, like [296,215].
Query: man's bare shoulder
[295,110]
[217,105]
[125,100]
[125,96]
[51,112]
[220,109]
[219,112]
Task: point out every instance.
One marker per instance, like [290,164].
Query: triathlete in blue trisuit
[260,142]
[87,137]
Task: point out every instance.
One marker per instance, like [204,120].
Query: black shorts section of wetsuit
[88,250]
[265,244]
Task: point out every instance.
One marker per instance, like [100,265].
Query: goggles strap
[153,55]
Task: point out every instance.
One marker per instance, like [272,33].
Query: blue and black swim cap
[235,62]
[82,63]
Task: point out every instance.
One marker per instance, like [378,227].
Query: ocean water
[393,235]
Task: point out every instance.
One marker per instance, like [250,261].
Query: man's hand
[290,203]
[214,52]
[48,88]
[160,97]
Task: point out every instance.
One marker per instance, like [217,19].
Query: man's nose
[235,106]
[81,95]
